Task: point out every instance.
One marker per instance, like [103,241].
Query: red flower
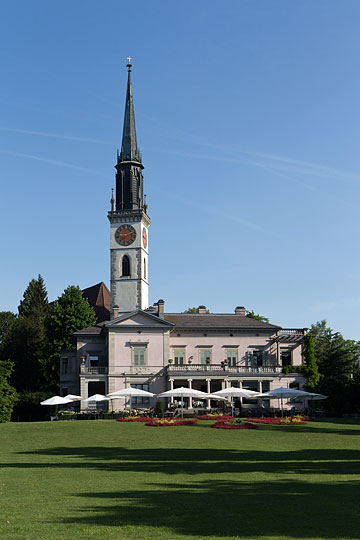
[170,422]
[277,421]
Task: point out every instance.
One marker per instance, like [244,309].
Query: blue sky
[248,116]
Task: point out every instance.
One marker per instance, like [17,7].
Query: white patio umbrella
[233,391]
[95,397]
[236,392]
[312,395]
[129,393]
[214,396]
[283,393]
[73,397]
[184,392]
[55,400]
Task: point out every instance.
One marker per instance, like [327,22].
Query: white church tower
[129,222]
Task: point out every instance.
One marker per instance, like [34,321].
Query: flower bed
[134,419]
[234,425]
[287,421]
[217,417]
[160,422]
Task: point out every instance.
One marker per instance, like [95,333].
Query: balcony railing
[93,370]
[294,331]
[218,368]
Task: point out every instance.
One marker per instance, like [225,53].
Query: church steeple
[129,221]
[129,147]
[129,178]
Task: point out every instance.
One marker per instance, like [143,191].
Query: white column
[259,389]
[208,390]
[171,381]
[190,398]
[240,386]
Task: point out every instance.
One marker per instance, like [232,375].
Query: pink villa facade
[160,351]
[136,345]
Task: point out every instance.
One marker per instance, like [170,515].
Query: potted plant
[170,360]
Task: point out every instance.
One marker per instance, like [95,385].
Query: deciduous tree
[8,395]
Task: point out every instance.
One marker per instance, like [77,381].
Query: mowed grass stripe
[103,479]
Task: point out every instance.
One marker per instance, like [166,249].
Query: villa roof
[91,330]
[217,320]
[98,297]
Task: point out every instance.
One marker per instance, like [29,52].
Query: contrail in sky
[56,136]
[51,161]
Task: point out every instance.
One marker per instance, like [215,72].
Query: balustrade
[221,368]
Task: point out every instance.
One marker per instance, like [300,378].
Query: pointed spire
[129,147]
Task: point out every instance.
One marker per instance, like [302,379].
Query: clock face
[125,235]
[144,237]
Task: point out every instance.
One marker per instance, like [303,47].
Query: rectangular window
[93,360]
[257,358]
[205,356]
[231,357]
[140,400]
[285,357]
[179,357]
[138,356]
[64,365]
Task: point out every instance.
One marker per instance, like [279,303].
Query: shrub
[159,408]
[28,407]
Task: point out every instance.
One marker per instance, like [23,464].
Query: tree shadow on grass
[174,461]
[292,509]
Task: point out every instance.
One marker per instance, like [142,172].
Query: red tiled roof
[98,297]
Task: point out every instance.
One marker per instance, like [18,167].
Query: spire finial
[145,204]
[129,147]
[112,200]
[129,64]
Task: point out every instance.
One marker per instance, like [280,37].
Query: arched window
[125,266]
[144,268]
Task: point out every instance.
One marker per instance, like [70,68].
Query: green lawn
[109,480]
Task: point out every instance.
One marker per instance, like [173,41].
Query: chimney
[161,305]
[115,311]
[202,310]
[240,310]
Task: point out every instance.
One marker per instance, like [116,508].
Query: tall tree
[25,344]
[8,395]
[337,360]
[7,318]
[194,310]
[35,300]
[70,312]
[311,370]
[253,315]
